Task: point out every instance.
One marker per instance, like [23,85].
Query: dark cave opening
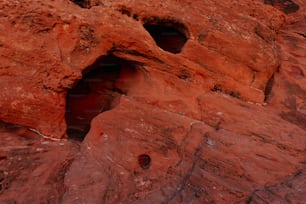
[102,83]
[169,36]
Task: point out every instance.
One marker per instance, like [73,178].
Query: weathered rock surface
[51,43]
[32,169]
[184,101]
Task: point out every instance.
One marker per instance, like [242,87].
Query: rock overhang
[208,58]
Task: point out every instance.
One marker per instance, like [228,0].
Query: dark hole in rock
[218,88]
[125,11]
[102,83]
[144,161]
[168,36]
[287,6]
[82,3]
[135,17]
[234,94]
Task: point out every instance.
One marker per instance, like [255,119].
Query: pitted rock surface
[50,44]
[152,101]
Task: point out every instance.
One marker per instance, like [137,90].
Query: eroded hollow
[102,83]
[82,3]
[170,36]
[218,88]
[287,6]
[144,161]
[87,4]
[268,88]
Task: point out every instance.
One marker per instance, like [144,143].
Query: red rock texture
[52,43]
[184,101]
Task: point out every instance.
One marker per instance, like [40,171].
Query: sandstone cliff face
[161,101]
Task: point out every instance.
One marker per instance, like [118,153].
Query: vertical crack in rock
[188,174]
[287,191]
[101,85]
[268,88]
[170,36]
[58,178]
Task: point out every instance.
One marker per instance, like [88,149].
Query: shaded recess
[82,3]
[287,6]
[169,35]
[302,34]
[128,12]
[219,88]
[268,88]
[102,83]
[144,161]
[87,3]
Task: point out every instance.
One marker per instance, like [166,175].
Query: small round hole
[144,161]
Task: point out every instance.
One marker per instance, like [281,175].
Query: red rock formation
[54,42]
[187,101]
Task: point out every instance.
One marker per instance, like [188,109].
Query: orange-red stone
[218,119]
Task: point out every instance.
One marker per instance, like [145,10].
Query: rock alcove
[102,83]
[170,36]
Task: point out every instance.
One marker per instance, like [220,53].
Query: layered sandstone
[161,101]
[50,44]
